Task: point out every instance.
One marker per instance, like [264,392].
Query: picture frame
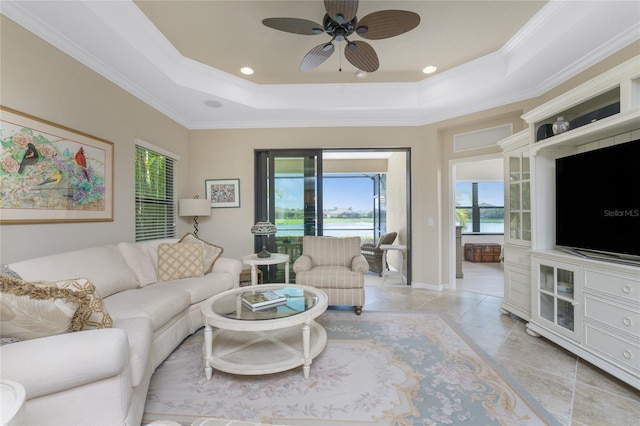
[50,173]
[223,193]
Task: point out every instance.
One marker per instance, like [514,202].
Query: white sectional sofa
[101,376]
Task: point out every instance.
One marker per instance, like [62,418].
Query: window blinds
[155,195]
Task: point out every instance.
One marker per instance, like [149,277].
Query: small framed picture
[223,192]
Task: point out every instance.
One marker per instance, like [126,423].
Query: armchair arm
[370,249]
[302,264]
[359,264]
[53,364]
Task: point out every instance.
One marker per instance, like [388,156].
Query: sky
[488,193]
[340,193]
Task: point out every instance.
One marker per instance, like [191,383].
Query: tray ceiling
[183,57]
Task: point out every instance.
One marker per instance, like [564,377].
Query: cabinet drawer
[518,287]
[619,317]
[625,287]
[519,258]
[620,351]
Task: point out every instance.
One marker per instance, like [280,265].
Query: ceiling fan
[340,22]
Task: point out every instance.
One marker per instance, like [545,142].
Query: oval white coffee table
[266,341]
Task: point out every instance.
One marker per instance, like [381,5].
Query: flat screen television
[598,203]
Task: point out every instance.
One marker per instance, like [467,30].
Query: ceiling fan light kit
[340,22]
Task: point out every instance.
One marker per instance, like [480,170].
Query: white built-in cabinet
[587,306]
[517,233]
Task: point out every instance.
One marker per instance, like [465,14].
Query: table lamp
[194,207]
[264,229]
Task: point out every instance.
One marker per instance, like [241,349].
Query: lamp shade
[194,207]
[264,228]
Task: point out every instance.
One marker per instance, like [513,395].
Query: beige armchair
[335,266]
[373,253]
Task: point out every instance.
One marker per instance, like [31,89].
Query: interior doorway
[336,192]
[476,189]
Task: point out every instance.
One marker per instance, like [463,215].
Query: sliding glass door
[288,194]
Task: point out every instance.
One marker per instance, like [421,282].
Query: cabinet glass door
[519,197]
[555,298]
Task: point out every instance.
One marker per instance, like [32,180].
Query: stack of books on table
[263,299]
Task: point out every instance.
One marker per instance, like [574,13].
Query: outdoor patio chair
[373,253]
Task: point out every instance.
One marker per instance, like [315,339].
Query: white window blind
[155,194]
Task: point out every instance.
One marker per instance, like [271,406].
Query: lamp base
[263,254]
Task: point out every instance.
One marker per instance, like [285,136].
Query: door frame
[261,195]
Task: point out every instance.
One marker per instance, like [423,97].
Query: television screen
[598,200]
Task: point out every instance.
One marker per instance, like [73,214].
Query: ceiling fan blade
[294,25]
[362,56]
[387,23]
[316,56]
[345,8]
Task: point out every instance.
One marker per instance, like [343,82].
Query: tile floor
[572,390]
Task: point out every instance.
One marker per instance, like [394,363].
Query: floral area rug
[377,369]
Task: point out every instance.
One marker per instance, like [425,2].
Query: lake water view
[365,229]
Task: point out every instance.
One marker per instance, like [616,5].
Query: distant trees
[336,213]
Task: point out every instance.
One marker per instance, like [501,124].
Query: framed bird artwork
[50,173]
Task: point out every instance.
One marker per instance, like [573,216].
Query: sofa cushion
[140,262]
[211,252]
[158,305]
[180,260]
[103,265]
[331,277]
[32,310]
[198,288]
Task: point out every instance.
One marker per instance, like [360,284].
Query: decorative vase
[560,126]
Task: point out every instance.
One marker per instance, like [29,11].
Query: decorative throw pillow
[37,309]
[211,252]
[5,270]
[180,260]
[32,310]
[92,314]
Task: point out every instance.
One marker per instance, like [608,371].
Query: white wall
[41,81]
[397,204]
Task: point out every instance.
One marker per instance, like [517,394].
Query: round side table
[254,261]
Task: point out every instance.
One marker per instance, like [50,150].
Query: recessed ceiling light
[430,69]
[362,74]
[246,70]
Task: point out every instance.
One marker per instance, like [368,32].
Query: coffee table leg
[306,338]
[208,341]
